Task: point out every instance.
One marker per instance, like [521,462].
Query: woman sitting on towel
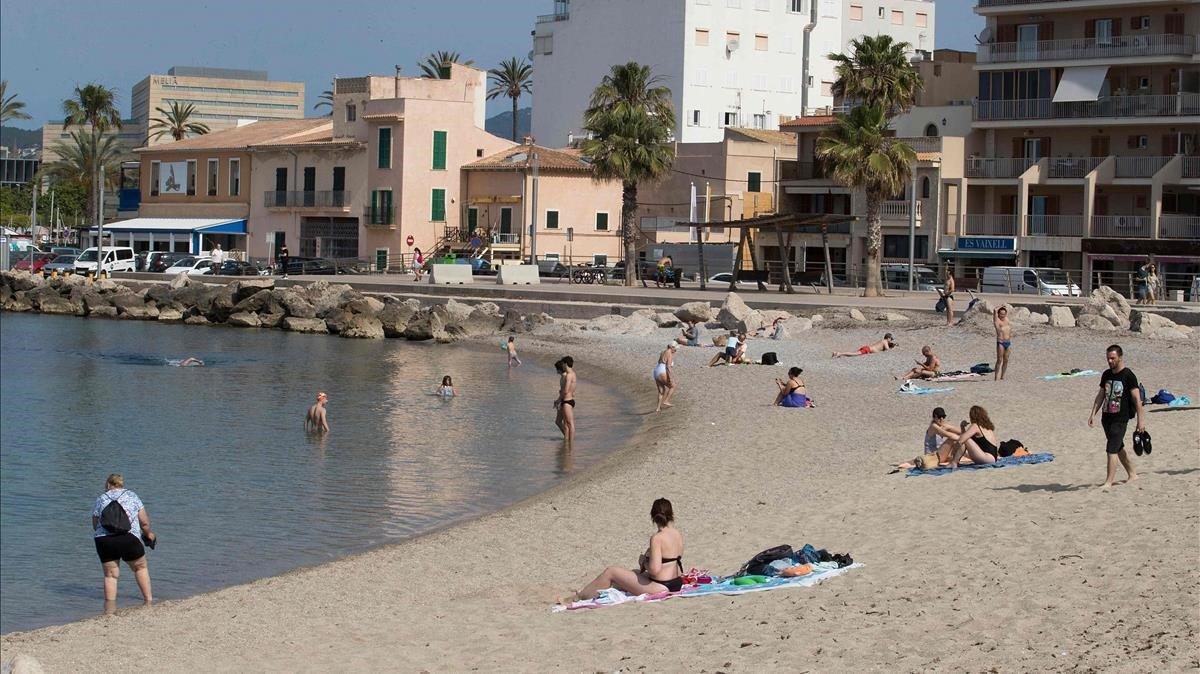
[978,441]
[792,393]
[660,568]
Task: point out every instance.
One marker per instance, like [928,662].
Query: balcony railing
[998,167]
[1072,167]
[1088,48]
[1121,226]
[897,210]
[550,18]
[1179,226]
[990,224]
[1158,105]
[306,199]
[1191,167]
[1139,167]
[1009,3]
[1054,225]
[805,170]
[379,216]
[923,143]
[505,237]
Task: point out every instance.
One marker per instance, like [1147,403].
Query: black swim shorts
[125,547]
[1114,433]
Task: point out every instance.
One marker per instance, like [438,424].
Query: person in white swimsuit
[664,379]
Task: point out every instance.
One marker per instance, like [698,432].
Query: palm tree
[176,121]
[513,78]
[877,72]
[630,123]
[434,64]
[10,107]
[325,100]
[81,159]
[860,153]
[94,105]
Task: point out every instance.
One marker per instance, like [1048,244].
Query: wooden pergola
[785,225]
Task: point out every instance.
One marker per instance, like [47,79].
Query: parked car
[34,262]
[63,264]
[159,261]
[65,250]
[116,258]
[192,265]
[647,270]
[722,279]
[1027,281]
[552,268]
[299,266]
[895,277]
[239,268]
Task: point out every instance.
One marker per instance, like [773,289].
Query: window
[732,40]
[599,260]
[381,207]
[826,88]
[154,169]
[760,121]
[701,77]
[881,10]
[931,130]
[731,79]
[212,176]
[351,112]
[1139,22]
[543,44]
[1143,83]
[796,6]
[787,84]
[551,219]
[602,222]
[1104,31]
[191,178]
[896,246]
[439,150]
[729,119]
[437,206]
[478,152]
[897,17]
[760,82]
[385,147]
[701,37]
[235,177]
[762,5]
[754,181]
[786,45]
[922,20]
[736,4]
[760,42]
[856,13]
[694,118]
[926,187]
[1138,142]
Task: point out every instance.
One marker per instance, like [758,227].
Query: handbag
[940,307]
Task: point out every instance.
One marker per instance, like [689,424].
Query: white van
[1027,281]
[895,277]
[116,258]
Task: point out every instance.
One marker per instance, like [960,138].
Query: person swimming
[446,390]
[190,361]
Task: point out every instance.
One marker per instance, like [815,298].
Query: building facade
[1085,154]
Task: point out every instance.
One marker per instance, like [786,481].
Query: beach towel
[911,388]
[1068,375]
[1181,401]
[957,376]
[1005,462]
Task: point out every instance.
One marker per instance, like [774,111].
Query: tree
[859,153]
[325,100]
[94,106]
[630,123]
[436,63]
[10,107]
[877,72]
[513,78]
[81,159]
[176,121]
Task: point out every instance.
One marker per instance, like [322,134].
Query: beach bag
[1010,447]
[770,358]
[758,564]
[1162,397]
[114,519]
[940,307]
[981,368]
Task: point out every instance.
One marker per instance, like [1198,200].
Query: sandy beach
[1020,569]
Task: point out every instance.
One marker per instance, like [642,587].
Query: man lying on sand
[927,369]
[882,345]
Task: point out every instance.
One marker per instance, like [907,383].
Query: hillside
[501,124]
[17,138]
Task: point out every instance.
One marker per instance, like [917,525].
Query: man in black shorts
[1121,400]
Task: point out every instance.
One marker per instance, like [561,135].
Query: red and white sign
[410,240]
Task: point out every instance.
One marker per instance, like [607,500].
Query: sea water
[235,488]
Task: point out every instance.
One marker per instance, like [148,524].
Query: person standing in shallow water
[565,403]
[315,421]
[113,547]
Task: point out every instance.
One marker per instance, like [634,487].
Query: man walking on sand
[565,403]
[315,422]
[1121,400]
[885,344]
[1003,341]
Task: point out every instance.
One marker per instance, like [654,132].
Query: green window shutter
[385,147]
[472,220]
[551,219]
[439,150]
[754,181]
[602,222]
[437,210]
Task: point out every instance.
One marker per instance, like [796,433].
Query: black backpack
[114,519]
[759,564]
[770,358]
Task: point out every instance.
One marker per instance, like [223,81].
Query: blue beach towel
[913,389]
[1081,373]
[726,586]
[1181,401]
[1007,461]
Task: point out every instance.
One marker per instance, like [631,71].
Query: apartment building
[908,21]
[222,96]
[1085,153]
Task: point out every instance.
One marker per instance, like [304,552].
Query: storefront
[971,253]
[1114,262]
[178,235]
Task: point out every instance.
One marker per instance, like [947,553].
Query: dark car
[647,270]
[34,263]
[301,266]
[161,263]
[239,268]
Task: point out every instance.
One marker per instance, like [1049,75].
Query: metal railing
[306,199]
[805,170]
[1121,226]
[1149,105]
[1054,225]
[922,143]
[351,85]
[997,224]
[891,210]
[379,216]
[1088,48]
[1072,167]
[1010,3]
[998,167]
[1172,226]
[1139,167]
[1191,167]
[505,237]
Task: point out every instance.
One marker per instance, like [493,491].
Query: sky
[44,54]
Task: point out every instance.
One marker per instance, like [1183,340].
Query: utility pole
[533,220]
[912,228]
[700,232]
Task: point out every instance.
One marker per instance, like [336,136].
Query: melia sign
[996,243]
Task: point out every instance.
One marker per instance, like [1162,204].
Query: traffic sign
[476,242]
[410,240]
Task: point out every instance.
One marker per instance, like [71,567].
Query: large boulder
[425,325]
[1177,332]
[362,326]
[314,326]
[700,312]
[735,315]
[218,304]
[622,325]
[666,319]
[857,316]
[108,285]
[485,319]
[103,311]
[336,320]
[456,312]
[159,293]
[395,317]
[182,281]
[894,317]
[295,303]
[126,301]
[263,301]
[1094,322]
[270,320]
[245,288]
[326,296]
[17,302]
[169,315]
[21,280]
[243,319]
[40,294]
[1109,305]
[60,305]
[1061,317]
[513,322]
[139,312]
[24,663]
[1144,321]
[1036,318]
[365,305]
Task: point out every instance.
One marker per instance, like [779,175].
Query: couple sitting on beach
[735,350]
[975,440]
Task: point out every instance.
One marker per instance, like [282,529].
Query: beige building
[222,97]
[130,136]
[1085,154]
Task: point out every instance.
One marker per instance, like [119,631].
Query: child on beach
[446,390]
[512,352]
[731,348]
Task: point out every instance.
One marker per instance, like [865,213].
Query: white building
[740,63]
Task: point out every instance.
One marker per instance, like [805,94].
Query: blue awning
[948,252]
[178,225]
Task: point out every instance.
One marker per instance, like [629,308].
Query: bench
[450,274]
[517,274]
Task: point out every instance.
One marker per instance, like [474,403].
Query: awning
[1080,83]
[179,225]
[950,252]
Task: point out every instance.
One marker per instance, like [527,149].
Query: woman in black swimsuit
[660,568]
[978,441]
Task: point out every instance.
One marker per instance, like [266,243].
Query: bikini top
[666,560]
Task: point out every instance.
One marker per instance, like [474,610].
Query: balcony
[1177,105]
[998,167]
[380,217]
[1178,226]
[306,199]
[990,225]
[506,238]
[1088,48]
[551,18]
[1121,226]
[1071,167]
[897,210]
[1054,225]
[1139,167]
[1191,167]
[804,170]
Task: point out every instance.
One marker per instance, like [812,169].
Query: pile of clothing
[783,561]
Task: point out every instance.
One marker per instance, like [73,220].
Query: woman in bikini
[565,403]
[664,377]
[660,568]
[792,393]
[978,441]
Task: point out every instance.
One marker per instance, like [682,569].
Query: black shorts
[1114,432]
[125,547]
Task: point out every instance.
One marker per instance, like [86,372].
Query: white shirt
[129,502]
[218,256]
